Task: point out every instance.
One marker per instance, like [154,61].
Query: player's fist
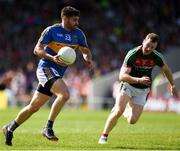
[58,61]
[145,80]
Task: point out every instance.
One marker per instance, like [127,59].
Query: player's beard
[74,27]
[71,27]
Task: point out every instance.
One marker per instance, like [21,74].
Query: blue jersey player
[51,70]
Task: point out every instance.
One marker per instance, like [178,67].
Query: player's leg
[135,107]
[117,111]
[121,101]
[60,89]
[126,111]
[39,98]
[134,112]
[37,101]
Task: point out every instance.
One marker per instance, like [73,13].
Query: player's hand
[174,91]
[58,61]
[90,64]
[145,80]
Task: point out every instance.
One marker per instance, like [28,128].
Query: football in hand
[67,55]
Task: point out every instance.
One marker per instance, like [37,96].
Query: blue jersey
[54,37]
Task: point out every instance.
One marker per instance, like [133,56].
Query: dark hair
[69,11]
[154,37]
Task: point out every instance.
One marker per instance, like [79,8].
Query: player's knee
[65,96]
[117,113]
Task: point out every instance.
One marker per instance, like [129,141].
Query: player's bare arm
[39,51]
[169,76]
[124,76]
[88,58]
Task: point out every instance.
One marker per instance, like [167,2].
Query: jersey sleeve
[128,61]
[46,36]
[83,43]
[160,61]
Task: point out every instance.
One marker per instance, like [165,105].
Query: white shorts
[138,96]
[45,74]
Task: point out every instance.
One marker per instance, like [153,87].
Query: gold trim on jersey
[84,49]
[55,46]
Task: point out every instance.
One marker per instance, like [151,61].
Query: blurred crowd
[112,28]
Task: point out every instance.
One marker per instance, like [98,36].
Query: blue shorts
[45,74]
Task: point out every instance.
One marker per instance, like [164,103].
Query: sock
[105,134]
[13,126]
[50,124]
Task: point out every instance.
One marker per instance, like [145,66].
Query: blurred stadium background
[112,28]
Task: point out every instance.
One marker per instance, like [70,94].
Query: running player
[135,77]
[50,71]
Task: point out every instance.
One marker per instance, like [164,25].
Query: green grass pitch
[80,130]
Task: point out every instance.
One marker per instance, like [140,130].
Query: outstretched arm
[83,46]
[169,76]
[87,57]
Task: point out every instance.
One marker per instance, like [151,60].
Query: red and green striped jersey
[142,65]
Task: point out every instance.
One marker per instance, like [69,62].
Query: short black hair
[154,37]
[69,11]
